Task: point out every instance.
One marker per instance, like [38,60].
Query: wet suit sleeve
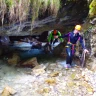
[65,35]
[49,37]
[82,42]
[59,35]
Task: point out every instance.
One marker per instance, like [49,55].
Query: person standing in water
[73,37]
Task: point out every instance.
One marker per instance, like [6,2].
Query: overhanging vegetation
[18,10]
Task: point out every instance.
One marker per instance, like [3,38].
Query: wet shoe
[67,66]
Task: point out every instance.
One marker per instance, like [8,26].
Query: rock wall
[69,14]
[90,37]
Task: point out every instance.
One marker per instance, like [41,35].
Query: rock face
[90,38]
[69,14]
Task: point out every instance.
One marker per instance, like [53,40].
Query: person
[53,36]
[73,37]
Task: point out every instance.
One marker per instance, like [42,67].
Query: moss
[92,9]
[9,3]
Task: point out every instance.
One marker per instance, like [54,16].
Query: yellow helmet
[78,27]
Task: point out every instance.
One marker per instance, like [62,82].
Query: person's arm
[49,37]
[82,42]
[65,35]
[59,34]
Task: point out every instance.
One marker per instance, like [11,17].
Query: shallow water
[26,84]
[31,53]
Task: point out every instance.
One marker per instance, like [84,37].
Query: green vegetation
[92,9]
[19,10]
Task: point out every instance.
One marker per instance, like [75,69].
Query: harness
[69,44]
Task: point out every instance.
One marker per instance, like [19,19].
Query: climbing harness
[72,46]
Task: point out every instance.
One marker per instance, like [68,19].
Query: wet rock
[92,64]
[44,90]
[51,81]
[94,94]
[58,50]
[8,91]
[54,74]
[14,60]
[94,67]
[38,70]
[30,62]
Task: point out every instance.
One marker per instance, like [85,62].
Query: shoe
[67,66]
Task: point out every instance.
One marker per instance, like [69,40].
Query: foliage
[19,10]
[92,9]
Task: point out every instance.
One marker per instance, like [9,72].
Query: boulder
[14,60]
[8,91]
[30,62]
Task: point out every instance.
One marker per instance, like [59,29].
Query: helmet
[54,31]
[78,27]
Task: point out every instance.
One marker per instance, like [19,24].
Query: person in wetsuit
[73,37]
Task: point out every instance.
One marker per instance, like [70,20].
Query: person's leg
[56,40]
[51,41]
[69,57]
[49,45]
[73,53]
